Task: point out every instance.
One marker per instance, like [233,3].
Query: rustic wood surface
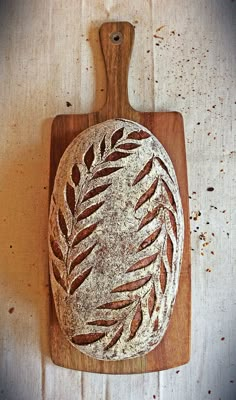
[174,349]
[185,61]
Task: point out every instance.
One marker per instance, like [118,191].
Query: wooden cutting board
[116,41]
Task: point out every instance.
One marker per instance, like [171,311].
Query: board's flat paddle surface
[174,349]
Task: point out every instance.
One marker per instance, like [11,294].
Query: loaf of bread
[115,240]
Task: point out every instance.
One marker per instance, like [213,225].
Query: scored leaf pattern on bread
[139,293]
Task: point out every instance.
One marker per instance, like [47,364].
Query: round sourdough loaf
[115,240]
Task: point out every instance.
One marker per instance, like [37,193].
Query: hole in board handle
[116,37]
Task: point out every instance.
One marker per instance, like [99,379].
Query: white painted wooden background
[50,56]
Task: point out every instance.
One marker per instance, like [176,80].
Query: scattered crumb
[158,37]
[195,215]
[202,236]
[160,28]
[177,371]
[208,270]
[11,310]
[68,104]
[222,339]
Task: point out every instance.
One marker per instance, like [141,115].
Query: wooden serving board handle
[117,41]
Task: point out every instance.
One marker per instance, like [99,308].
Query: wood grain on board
[116,41]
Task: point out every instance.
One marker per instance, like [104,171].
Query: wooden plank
[174,349]
[99,386]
